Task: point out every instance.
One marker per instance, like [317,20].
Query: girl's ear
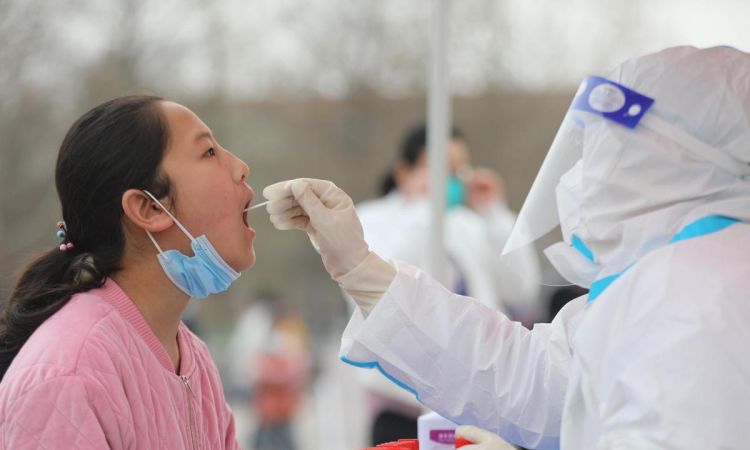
[143,212]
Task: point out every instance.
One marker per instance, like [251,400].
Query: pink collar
[115,296]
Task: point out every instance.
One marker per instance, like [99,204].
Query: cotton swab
[257,206]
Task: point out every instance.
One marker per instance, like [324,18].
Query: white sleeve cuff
[367,282]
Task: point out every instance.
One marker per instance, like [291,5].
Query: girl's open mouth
[244,215]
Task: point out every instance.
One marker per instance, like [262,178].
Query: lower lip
[250,231]
[247,225]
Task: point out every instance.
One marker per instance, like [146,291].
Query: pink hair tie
[62,232]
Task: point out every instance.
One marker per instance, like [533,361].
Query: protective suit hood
[623,189]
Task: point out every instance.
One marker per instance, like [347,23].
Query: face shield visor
[555,197]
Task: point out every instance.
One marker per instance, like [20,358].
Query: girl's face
[209,188]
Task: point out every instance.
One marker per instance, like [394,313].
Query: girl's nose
[240,171]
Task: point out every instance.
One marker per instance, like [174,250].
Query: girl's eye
[210,152]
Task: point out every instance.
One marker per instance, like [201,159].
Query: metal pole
[438,123]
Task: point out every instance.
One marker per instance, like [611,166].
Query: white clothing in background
[397,227]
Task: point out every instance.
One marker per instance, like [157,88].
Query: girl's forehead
[185,127]
[181,118]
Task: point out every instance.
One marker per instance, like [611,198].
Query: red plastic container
[411,444]
[388,447]
[401,444]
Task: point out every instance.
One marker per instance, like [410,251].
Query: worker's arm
[466,361]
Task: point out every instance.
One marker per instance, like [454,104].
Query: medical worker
[93,353]
[649,182]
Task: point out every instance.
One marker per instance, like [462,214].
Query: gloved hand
[327,215]
[481,439]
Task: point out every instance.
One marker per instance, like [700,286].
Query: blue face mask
[455,194]
[199,275]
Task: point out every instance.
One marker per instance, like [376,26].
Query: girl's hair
[412,147]
[116,146]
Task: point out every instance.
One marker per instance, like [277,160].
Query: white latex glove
[481,439]
[327,215]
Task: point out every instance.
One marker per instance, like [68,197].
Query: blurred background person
[281,376]
[270,371]
[478,222]
[249,338]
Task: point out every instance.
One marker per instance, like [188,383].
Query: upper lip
[244,211]
[249,201]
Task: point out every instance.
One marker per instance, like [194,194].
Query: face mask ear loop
[177,222]
[161,252]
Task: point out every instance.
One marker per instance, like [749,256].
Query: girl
[92,350]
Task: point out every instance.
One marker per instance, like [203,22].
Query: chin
[247,262]
[252,257]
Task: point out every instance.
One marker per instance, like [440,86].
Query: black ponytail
[116,146]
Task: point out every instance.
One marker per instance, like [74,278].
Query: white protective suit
[659,358]
[658,361]
[396,228]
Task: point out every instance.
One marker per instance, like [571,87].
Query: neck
[160,302]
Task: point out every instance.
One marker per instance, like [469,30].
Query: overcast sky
[260,48]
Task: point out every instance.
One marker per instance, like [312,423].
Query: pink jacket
[94,376]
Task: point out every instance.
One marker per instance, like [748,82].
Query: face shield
[555,196]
